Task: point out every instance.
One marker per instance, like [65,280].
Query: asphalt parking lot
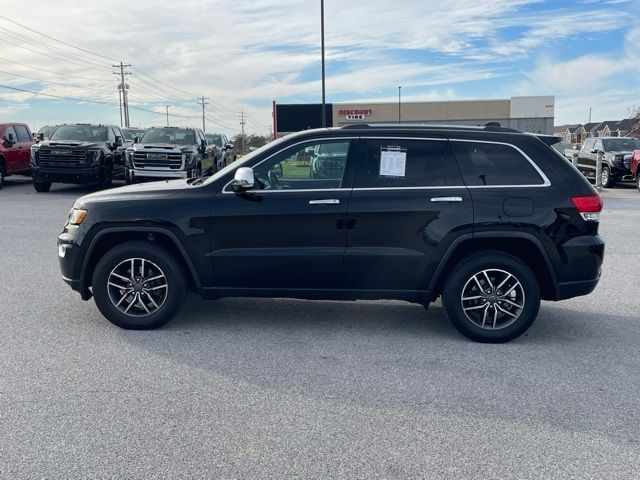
[254,388]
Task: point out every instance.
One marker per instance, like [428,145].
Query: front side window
[404,163]
[10,131]
[171,136]
[23,133]
[80,133]
[486,164]
[310,166]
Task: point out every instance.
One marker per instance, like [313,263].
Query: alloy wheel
[493,299]
[605,177]
[137,287]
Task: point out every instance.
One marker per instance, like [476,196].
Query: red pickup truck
[15,149]
[635,167]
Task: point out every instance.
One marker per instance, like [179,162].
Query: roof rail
[490,127]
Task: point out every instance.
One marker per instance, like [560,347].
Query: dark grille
[62,157]
[153,160]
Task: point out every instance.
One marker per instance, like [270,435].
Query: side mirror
[40,137]
[243,180]
[118,142]
[277,170]
[11,139]
[203,145]
[228,146]
[136,139]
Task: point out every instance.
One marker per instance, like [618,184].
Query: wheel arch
[518,244]
[109,237]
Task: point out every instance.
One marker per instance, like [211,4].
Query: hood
[148,190]
[70,144]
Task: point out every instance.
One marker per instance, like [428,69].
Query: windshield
[169,135]
[80,133]
[131,133]
[213,139]
[621,144]
[243,161]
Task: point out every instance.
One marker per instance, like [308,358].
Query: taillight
[589,206]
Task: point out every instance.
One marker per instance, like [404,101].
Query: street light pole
[167,106]
[399,103]
[324,112]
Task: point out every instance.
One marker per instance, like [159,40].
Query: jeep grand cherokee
[485,217]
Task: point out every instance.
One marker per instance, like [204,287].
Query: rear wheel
[42,186]
[1,175]
[491,297]
[139,285]
[638,181]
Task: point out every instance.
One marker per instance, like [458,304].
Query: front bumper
[66,175]
[68,258]
[168,174]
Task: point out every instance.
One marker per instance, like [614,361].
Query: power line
[55,83]
[56,40]
[51,71]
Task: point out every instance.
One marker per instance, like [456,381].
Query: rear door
[287,233]
[25,140]
[408,204]
[11,152]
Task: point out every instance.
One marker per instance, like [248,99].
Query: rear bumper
[583,257]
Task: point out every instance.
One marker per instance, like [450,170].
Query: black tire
[461,277]
[1,175]
[607,181]
[106,178]
[638,181]
[168,265]
[42,187]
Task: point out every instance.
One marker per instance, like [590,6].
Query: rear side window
[494,164]
[23,133]
[404,163]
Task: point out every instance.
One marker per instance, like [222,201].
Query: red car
[15,149]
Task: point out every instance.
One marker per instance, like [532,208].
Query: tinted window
[312,166]
[23,133]
[404,163]
[81,133]
[494,164]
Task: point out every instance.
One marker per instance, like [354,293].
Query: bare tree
[635,116]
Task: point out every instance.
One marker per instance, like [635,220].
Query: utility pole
[120,104]
[399,103]
[324,112]
[123,88]
[242,123]
[204,102]
[167,106]
[590,114]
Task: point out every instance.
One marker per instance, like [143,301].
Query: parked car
[169,152]
[615,160]
[225,151]
[16,139]
[45,132]
[634,163]
[485,217]
[78,153]
[130,134]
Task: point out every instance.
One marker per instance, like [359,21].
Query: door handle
[329,201]
[446,199]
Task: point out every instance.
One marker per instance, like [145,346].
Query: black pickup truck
[78,153]
[616,158]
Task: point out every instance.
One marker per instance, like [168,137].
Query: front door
[288,232]
[407,206]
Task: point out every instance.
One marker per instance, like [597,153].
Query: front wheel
[42,186]
[491,297]
[106,178]
[605,178]
[139,285]
[638,181]
[1,176]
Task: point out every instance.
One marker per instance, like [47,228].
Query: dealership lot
[256,388]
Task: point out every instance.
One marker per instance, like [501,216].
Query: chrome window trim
[545,179]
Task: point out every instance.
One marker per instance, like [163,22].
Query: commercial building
[528,114]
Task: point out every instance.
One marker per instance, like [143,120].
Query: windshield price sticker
[393,161]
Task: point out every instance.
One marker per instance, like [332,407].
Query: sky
[243,55]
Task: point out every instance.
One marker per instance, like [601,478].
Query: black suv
[78,153]
[488,218]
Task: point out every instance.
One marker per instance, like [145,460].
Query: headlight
[94,156]
[76,216]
